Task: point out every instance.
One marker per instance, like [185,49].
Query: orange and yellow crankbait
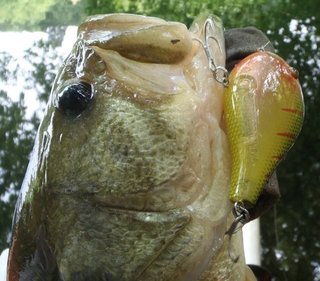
[264,110]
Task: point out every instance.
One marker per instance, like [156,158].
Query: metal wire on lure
[241,217]
[220,73]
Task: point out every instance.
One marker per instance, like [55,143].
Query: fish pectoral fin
[43,265]
[260,273]
[249,276]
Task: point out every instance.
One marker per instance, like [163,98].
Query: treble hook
[242,216]
[223,77]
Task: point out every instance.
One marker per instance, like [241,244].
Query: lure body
[264,111]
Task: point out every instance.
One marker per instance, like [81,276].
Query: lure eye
[75,98]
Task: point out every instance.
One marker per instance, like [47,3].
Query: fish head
[125,107]
[131,161]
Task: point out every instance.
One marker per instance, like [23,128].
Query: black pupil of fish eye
[75,98]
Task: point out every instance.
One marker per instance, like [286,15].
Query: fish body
[264,113]
[129,175]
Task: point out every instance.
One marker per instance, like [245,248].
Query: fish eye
[75,98]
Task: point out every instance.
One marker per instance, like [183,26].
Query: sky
[16,43]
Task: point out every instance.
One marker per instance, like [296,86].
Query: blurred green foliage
[18,13]
[16,139]
[291,248]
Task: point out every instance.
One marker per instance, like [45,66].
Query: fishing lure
[263,111]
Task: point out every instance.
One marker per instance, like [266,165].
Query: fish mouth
[143,39]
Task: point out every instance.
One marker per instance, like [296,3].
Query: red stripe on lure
[263,90]
[291,110]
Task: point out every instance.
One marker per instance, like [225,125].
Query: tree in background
[291,250]
[16,138]
[17,14]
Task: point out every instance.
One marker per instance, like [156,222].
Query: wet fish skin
[134,185]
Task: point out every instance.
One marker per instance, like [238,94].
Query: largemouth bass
[130,172]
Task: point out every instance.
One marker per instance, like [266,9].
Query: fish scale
[263,111]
